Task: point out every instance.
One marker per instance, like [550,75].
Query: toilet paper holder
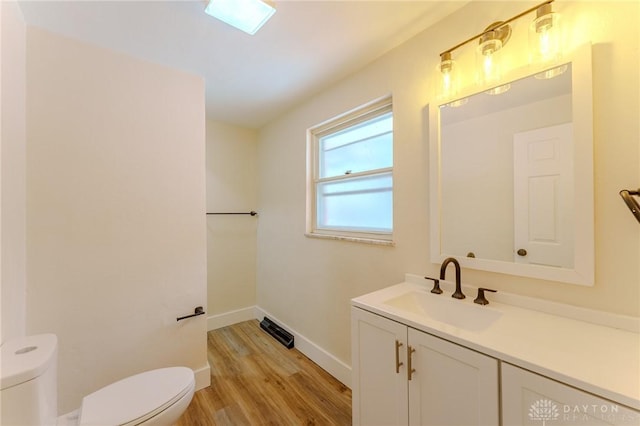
[199,310]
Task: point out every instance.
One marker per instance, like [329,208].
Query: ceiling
[250,80]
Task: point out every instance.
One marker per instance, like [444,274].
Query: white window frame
[314,134]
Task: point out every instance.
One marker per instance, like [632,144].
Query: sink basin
[458,313]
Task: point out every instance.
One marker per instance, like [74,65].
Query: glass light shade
[488,60]
[498,90]
[448,77]
[545,41]
[458,103]
[552,72]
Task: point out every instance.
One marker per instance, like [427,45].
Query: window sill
[373,241]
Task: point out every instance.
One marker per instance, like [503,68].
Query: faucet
[458,293]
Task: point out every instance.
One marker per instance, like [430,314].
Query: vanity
[420,358]
[511,192]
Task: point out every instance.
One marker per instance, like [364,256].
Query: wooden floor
[257,381]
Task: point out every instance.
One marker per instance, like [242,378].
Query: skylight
[246,15]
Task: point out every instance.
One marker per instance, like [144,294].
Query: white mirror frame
[582,113]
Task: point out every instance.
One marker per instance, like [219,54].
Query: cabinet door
[530,399]
[451,385]
[379,385]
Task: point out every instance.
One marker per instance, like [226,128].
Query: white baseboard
[229,318]
[315,353]
[203,377]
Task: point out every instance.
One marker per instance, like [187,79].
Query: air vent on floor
[278,333]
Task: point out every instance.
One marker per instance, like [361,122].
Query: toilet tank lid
[25,358]
[136,397]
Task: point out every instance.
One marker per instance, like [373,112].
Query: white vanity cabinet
[404,376]
[531,399]
[379,377]
[451,385]
[503,364]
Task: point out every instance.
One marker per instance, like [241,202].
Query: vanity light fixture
[544,42]
[246,15]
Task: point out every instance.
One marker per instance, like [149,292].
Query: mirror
[512,175]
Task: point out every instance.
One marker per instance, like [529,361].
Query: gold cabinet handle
[398,362]
[410,370]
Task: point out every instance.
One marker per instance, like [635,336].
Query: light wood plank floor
[257,381]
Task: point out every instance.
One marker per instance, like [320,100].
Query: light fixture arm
[494,27]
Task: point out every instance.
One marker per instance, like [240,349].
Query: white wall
[307,283]
[116,248]
[231,240]
[12,152]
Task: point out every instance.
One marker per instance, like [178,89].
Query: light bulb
[488,65]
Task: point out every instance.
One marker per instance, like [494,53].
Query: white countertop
[596,358]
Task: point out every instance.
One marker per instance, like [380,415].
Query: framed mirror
[511,175]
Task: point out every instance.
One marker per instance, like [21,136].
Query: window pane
[363,204]
[366,146]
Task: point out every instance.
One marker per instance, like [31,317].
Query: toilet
[28,369]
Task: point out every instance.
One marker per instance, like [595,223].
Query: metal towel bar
[252,213]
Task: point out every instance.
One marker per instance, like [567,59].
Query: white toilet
[28,367]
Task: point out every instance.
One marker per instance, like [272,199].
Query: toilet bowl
[29,391]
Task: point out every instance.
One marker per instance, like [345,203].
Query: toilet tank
[28,371]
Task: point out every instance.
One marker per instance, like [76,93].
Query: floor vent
[278,333]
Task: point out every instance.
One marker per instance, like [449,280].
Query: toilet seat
[138,398]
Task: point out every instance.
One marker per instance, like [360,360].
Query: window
[350,175]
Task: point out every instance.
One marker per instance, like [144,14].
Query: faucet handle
[436,285]
[481,300]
